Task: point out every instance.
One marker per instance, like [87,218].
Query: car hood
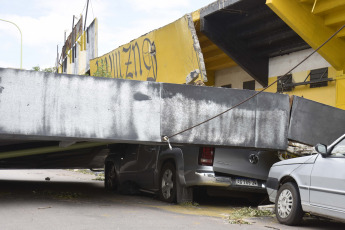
[298,160]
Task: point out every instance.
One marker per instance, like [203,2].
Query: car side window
[339,149]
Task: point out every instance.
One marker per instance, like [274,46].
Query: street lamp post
[21,42]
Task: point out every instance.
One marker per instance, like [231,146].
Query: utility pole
[87,7]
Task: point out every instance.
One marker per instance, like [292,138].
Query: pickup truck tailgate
[244,163]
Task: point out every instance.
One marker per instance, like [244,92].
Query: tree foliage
[48,70]
[102,70]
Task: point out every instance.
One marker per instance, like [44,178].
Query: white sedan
[314,184]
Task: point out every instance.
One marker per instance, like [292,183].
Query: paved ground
[71,200]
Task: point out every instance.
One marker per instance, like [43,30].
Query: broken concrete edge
[197,48]
[216,6]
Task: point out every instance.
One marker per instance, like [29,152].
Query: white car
[314,184]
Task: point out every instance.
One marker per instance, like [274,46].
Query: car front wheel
[110,178]
[288,204]
[167,191]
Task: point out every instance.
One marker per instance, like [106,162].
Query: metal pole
[21,42]
[87,7]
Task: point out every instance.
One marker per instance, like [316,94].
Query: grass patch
[238,215]
[99,177]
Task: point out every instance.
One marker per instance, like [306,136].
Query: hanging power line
[166,138]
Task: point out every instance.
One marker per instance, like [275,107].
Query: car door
[328,180]
[146,165]
[128,165]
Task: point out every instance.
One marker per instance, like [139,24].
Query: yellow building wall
[340,101]
[333,94]
[163,55]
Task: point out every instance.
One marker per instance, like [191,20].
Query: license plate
[246,182]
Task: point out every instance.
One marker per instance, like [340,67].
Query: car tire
[167,183]
[110,177]
[288,204]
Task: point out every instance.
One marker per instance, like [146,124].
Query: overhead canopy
[250,33]
[315,21]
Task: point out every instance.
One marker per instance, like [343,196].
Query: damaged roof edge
[215,6]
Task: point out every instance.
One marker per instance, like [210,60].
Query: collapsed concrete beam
[312,122]
[46,106]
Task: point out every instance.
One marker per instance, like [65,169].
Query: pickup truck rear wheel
[110,178]
[288,204]
[167,180]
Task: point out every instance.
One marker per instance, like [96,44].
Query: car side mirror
[322,149]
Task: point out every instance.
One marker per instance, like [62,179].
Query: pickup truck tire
[110,177]
[288,204]
[167,183]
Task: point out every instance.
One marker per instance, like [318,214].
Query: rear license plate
[246,182]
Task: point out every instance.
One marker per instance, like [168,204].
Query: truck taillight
[206,156]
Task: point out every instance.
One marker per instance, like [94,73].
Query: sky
[43,23]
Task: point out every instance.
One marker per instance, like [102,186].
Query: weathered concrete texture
[41,106]
[259,123]
[312,122]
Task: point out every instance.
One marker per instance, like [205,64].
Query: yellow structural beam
[312,29]
[335,18]
[322,7]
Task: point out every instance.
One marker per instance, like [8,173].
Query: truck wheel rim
[285,202]
[167,184]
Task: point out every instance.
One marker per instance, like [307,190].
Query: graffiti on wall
[136,60]
[171,48]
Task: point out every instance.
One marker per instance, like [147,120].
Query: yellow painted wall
[333,94]
[235,76]
[340,101]
[163,55]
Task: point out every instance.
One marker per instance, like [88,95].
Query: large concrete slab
[45,106]
[260,123]
[312,122]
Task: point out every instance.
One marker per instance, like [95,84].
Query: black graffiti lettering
[128,63]
[135,60]
[111,64]
[146,52]
[154,66]
[106,64]
[149,58]
[120,76]
[117,72]
[154,61]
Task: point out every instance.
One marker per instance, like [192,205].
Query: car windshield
[339,149]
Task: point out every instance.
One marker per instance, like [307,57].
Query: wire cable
[166,138]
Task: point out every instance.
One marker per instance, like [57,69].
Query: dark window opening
[316,75]
[226,86]
[284,84]
[87,35]
[249,85]
[64,66]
